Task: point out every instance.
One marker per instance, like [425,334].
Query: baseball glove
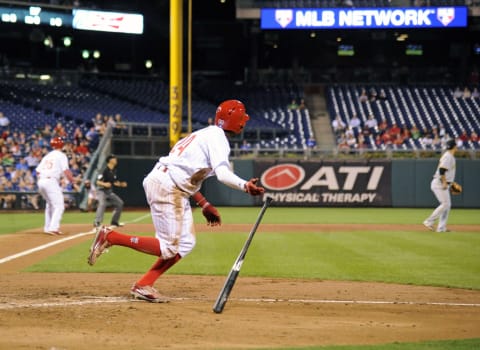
[455,188]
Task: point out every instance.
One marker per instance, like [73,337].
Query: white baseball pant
[441,212]
[55,206]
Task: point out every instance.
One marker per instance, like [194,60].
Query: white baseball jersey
[196,157]
[447,161]
[53,165]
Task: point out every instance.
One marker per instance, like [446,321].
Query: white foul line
[111,300]
[44,246]
[51,244]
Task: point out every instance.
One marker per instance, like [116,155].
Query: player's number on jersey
[182,145]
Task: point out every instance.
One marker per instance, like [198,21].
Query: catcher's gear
[455,188]
[252,188]
[231,116]
[56,143]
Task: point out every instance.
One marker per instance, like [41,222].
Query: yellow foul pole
[176,69]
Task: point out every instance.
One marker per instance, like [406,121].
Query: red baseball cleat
[99,245]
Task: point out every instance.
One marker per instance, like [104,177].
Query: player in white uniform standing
[168,188]
[440,185]
[52,167]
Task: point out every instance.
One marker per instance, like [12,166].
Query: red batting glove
[211,214]
[208,210]
[252,189]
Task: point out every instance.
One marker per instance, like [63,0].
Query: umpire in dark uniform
[105,195]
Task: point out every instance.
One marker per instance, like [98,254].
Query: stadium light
[85,54]
[67,41]
[96,54]
[48,41]
[148,64]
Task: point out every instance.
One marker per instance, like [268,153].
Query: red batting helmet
[231,116]
[56,143]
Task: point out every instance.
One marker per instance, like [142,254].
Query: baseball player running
[442,179]
[168,187]
[52,167]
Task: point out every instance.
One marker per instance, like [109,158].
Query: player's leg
[185,246]
[101,206]
[442,221]
[443,197]
[42,189]
[117,203]
[57,205]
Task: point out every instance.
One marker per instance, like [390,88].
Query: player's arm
[209,211]
[226,176]
[68,174]
[443,179]
[120,183]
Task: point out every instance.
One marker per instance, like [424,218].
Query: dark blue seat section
[31,105]
[427,107]
[267,106]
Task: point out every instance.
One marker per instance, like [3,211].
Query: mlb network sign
[364,18]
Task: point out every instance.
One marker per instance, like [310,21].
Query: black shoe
[96,224]
[117,224]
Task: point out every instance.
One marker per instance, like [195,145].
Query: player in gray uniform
[168,188]
[440,185]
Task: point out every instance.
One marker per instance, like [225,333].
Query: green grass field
[416,257]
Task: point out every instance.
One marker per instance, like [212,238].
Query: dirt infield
[93,311]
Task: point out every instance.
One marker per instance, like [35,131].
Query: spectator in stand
[93,137]
[355,122]
[293,105]
[466,92]
[46,131]
[415,132]
[475,93]
[457,93]
[7,201]
[394,130]
[382,126]
[311,142]
[436,140]
[92,196]
[120,126]
[77,135]
[4,122]
[59,131]
[474,137]
[386,138]
[405,132]
[459,143]
[464,136]
[338,125]
[342,144]
[302,104]
[372,95]
[363,96]
[82,148]
[99,124]
[398,140]
[366,131]
[426,140]
[361,145]
[372,124]
[382,96]
[32,161]
[351,141]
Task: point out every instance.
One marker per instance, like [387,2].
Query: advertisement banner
[342,184]
[364,18]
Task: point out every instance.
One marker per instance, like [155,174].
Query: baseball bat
[232,276]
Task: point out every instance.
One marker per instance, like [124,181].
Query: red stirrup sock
[157,270]
[149,245]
